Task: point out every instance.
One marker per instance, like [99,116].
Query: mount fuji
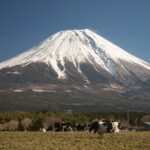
[77,70]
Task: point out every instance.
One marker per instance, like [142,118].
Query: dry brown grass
[73,141]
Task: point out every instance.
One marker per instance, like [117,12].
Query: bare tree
[26,123]
[50,121]
[12,125]
[1,127]
[124,125]
[5,126]
[145,118]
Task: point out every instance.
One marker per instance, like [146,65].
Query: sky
[25,23]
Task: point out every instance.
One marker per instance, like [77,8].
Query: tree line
[33,121]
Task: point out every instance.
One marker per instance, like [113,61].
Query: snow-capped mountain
[74,57]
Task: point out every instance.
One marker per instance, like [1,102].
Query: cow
[43,129]
[62,126]
[57,127]
[115,128]
[105,126]
[66,126]
[80,127]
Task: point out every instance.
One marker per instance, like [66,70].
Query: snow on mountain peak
[75,46]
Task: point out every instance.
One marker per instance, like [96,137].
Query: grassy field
[73,141]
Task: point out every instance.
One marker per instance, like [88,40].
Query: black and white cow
[62,126]
[102,127]
[80,127]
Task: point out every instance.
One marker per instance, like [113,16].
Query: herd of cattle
[100,127]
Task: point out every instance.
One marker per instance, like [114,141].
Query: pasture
[73,141]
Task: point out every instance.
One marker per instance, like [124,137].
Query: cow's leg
[100,135]
[112,134]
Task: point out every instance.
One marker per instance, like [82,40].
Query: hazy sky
[25,23]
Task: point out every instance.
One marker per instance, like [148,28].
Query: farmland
[73,141]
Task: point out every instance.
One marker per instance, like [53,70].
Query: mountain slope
[75,58]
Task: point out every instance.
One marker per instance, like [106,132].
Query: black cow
[57,126]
